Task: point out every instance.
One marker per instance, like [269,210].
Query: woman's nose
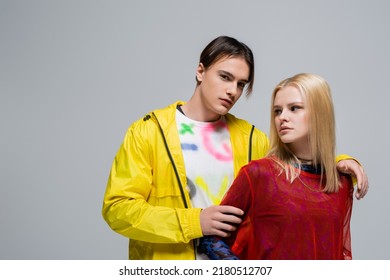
[283,115]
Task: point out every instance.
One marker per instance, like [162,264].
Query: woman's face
[291,119]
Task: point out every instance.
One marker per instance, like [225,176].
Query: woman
[297,205]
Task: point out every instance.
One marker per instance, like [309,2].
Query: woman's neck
[307,161]
[302,152]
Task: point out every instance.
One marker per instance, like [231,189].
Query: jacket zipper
[173,163]
[176,174]
[250,144]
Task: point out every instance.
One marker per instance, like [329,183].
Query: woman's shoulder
[267,160]
[264,164]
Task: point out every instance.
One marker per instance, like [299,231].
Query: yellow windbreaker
[146,198]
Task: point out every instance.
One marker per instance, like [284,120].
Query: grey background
[75,74]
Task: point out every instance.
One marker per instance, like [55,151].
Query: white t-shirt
[208,160]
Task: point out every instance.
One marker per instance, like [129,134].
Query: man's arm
[351,166]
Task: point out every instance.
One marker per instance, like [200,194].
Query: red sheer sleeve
[347,248]
[239,195]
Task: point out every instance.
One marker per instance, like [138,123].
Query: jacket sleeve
[126,208]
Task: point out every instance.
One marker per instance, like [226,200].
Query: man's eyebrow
[231,75]
[226,73]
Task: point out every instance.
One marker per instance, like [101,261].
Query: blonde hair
[317,98]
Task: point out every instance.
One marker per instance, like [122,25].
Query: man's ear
[199,72]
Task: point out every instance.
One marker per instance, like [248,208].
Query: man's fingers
[220,220]
[230,210]
[362,184]
[222,229]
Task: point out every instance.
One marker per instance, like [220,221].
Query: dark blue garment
[215,249]
[310,168]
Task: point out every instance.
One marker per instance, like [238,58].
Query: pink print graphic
[220,151]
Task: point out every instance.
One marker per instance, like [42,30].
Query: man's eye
[224,77]
[241,85]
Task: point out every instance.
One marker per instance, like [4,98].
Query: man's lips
[228,101]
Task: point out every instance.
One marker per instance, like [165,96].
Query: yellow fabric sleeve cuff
[344,157]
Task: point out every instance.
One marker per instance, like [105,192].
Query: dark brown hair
[225,47]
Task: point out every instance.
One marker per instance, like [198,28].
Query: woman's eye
[277,112]
[294,108]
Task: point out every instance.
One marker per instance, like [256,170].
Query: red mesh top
[289,221]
